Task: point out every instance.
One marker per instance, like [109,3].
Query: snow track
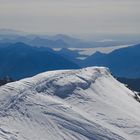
[85,104]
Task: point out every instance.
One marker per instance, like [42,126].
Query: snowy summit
[84,104]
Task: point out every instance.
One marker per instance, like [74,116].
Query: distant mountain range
[20,60]
[13,32]
[36,41]
[123,62]
[55,41]
[37,51]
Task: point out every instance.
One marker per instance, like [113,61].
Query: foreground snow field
[85,104]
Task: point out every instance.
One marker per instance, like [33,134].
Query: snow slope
[85,104]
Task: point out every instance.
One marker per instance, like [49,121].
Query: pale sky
[71,16]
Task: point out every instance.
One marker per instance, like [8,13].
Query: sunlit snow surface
[85,104]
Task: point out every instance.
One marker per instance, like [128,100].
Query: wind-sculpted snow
[85,104]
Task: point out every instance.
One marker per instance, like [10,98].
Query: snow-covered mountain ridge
[84,104]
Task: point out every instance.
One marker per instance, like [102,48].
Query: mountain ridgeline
[133,84]
[5,80]
[20,60]
[123,62]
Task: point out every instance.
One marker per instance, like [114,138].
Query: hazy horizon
[71,17]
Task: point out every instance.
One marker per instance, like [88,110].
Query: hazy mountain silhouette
[36,41]
[56,41]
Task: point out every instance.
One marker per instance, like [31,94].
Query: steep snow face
[85,104]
